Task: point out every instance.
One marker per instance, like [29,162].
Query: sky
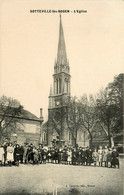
[28,47]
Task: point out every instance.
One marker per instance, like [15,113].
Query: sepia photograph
[61,97]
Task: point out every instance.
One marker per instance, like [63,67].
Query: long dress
[105,154]
[69,153]
[10,151]
[1,154]
[100,153]
[35,155]
[95,156]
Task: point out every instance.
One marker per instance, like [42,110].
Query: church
[55,129]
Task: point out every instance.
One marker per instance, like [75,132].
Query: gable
[98,130]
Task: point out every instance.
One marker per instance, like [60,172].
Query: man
[74,156]
[79,156]
[87,155]
[56,156]
[49,155]
[21,154]
[89,159]
[60,154]
[29,154]
[44,155]
[83,156]
[14,146]
[52,155]
[115,160]
[17,154]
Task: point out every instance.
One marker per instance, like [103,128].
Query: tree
[74,116]
[9,109]
[88,114]
[109,107]
[116,90]
[56,120]
[105,111]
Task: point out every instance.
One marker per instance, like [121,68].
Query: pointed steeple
[50,97]
[61,55]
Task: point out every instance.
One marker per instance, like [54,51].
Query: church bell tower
[60,90]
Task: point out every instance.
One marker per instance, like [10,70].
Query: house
[27,128]
[99,135]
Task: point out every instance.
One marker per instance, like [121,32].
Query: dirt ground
[54,179]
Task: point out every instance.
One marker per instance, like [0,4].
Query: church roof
[45,124]
[61,55]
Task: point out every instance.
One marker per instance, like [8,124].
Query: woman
[10,152]
[1,155]
[69,154]
[100,156]
[109,157]
[105,154]
[35,160]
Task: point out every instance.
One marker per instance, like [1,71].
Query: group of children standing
[13,154]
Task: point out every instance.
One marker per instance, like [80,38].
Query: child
[69,159]
[95,157]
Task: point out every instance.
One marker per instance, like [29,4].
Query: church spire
[50,97]
[61,55]
[51,90]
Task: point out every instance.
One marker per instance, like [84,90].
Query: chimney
[41,114]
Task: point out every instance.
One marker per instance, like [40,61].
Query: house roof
[98,122]
[25,114]
[28,115]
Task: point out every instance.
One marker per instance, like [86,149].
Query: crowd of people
[14,154]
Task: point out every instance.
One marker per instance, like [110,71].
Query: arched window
[59,85]
[67,86]
[44,136]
